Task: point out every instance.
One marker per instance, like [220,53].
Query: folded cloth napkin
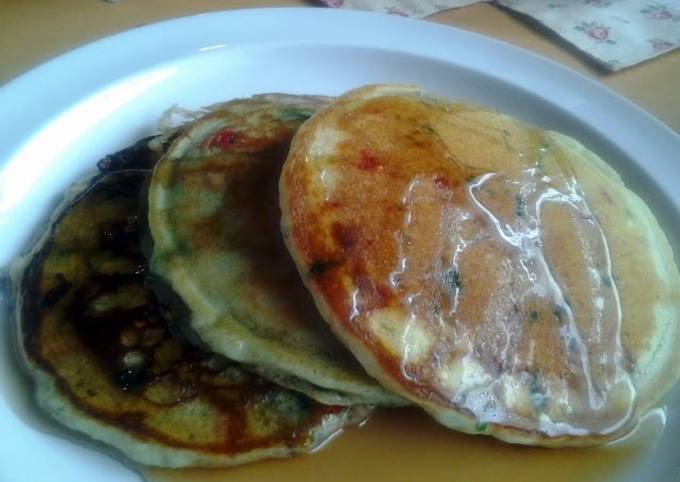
[614,33]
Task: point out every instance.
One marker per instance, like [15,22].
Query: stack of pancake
[432,253]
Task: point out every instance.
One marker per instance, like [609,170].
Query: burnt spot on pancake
[318,268]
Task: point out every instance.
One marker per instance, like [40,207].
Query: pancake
[214,219]
[498,275]
[107,363]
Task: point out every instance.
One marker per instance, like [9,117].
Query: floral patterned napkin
[615,33]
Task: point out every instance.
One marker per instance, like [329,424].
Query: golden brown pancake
[107,364]
[499,275]
[214,217]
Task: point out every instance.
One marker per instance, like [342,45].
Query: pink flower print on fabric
[596,31]
[660,11]
[660,45]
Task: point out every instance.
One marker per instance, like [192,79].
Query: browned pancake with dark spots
[108,362]
[488,270]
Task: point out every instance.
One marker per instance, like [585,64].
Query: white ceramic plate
[60,118]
